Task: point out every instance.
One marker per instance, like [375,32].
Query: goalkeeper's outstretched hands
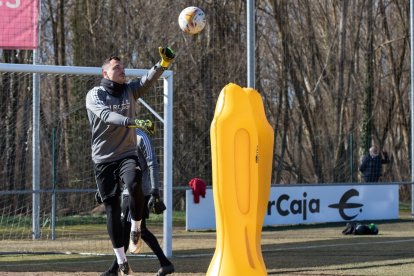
[167,56]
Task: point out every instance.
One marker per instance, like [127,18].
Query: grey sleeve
[141,86]
[95,104]
[154,170]
[152,162]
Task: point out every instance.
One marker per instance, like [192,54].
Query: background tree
[367,111]
[334,77]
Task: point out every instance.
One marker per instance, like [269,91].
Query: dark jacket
[371,167]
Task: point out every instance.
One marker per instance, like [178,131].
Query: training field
[287,250]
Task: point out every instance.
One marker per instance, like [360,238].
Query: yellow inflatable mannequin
[242,154]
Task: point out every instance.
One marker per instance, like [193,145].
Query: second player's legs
[130,175]
[149,238]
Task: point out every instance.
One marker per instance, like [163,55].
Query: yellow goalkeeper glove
[146,125]
[167,56]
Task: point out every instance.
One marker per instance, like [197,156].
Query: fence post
[36,156]
[53,212]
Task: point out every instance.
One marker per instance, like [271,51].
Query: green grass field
[318,249]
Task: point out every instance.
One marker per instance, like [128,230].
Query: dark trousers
[109,178]
[146,235]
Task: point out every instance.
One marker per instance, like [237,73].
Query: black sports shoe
[164,270]
[125,269]
[135,242]
[110,273]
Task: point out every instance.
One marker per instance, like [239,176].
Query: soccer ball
[192,20]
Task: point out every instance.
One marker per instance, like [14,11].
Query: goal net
[47,190]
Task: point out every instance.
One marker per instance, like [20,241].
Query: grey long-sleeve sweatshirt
[111,107]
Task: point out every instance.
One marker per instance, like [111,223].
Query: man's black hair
[108,60]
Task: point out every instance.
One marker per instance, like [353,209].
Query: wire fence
[66,193]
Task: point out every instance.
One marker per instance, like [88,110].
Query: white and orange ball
[192,20]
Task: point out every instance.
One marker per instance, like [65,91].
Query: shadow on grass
[332,224]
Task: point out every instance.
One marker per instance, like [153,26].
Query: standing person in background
[111,108]
[150,186]
[371,165]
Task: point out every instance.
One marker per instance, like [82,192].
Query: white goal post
[166,119]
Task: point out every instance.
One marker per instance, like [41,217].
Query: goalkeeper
[111,108]
[150,186]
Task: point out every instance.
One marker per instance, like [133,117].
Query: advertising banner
[200,215]
[309,204]
[19,24]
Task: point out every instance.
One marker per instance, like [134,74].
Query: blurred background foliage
[334,76]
